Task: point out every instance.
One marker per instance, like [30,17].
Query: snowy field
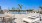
[19,18]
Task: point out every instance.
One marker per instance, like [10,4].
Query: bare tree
[41,9]
[13,8]
[20,6]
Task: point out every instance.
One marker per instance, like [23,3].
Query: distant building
[5,10]
[21,11]
[0,7]
[1,11]
[40,11]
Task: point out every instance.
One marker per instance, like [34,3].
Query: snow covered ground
[19,18]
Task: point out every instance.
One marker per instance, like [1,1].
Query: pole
[40,15]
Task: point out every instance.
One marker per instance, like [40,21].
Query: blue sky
[27,4]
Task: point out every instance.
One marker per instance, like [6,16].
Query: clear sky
[27,4]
